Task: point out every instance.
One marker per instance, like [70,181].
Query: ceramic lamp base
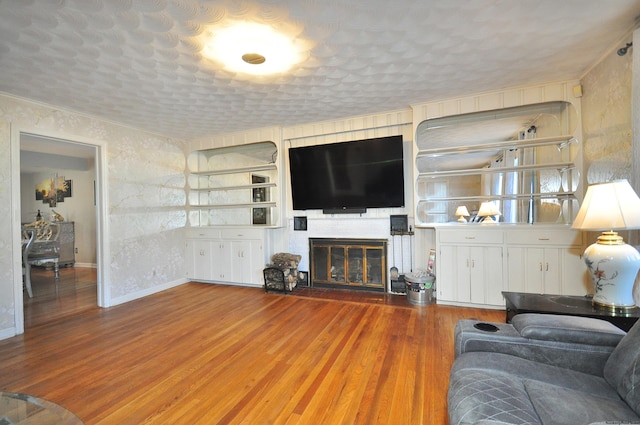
[613,266]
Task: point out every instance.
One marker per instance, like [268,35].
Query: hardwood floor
[214,354]
[75,291]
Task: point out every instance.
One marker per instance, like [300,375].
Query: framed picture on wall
[260,215]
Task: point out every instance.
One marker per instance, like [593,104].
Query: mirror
[521,159]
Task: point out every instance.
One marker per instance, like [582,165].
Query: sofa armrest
[545,340]
[579,330]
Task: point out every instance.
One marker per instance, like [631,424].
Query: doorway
[79,163]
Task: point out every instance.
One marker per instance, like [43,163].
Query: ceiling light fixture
[252,48]
[253,58]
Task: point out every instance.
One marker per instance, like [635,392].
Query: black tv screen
[349,175]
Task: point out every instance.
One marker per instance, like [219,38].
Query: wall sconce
[461,213]
[613,265]
[488,210]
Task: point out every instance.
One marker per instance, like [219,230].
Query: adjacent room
[301,212]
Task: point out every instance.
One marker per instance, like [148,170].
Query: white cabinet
[200,259]
[475,263]
[546,262]
[247,261]
[536,270]
[221,267]
[469,266]
[470,274]
[226,255]
[575,279]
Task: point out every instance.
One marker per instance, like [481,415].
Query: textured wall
[607,127]
[606,119]
[146,200]
[7,308]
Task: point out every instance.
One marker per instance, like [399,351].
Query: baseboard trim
[147,291]
[86,265]
[8,333]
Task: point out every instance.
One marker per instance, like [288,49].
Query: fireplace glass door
[355,263]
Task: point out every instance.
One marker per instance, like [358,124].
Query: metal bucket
[420,288]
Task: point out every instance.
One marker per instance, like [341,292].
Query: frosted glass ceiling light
[252,48]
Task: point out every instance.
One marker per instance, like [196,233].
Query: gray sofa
[545,369]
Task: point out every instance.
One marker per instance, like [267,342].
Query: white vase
[613,266]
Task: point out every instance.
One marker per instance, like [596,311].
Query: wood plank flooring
[75,291]
[214,354]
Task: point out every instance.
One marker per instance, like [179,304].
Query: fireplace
[348,263]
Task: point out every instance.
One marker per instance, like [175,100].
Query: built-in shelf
[560,167]
[234,186]
[523,159]
[560,141]
[239,170]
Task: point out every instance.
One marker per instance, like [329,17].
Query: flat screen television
[348,176]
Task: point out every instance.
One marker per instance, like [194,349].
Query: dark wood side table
[520,302]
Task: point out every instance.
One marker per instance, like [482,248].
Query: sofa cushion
[502,388]
[479,395]
[556,405]
[622,370]
[533,371]
[571,329]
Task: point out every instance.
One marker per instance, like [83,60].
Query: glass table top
[16,408]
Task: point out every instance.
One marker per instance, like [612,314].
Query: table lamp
[613,265]
[462,212]
[488,210]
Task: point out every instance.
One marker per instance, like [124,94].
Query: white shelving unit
[527,161]
[234,186]
[522,158]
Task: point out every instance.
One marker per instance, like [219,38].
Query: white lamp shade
[609,206]
[462,211]
[488,209]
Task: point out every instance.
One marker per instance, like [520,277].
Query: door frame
[101,199]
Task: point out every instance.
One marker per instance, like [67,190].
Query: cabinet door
[200,259]
[470,274]
[258,262]
[525,266]
[552,270]
[446,268]
[575,279]
[466,267]
[487,281]
[247,261]
[221,261]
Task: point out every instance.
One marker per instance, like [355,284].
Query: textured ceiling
[139,62]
